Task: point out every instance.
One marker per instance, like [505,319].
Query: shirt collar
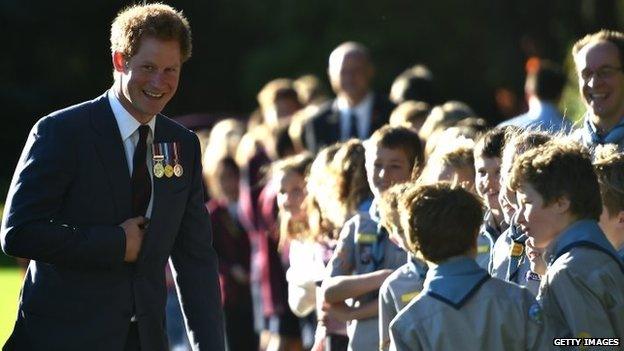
[455,280]
[585,232]
[417,265]
[621,253]
[126,123]
[363,109]
[592,136]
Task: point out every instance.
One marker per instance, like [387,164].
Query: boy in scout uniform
[365,255]
[461,307]
[609,166]
[487,164]
[559,201]
[407,281]
[509,256]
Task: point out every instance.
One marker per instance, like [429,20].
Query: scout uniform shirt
[590,137]
[509,261]
[488,234]
[396,292]
[462,308]
[364,247]
[583,289]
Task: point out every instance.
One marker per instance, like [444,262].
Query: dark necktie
[141,183]
[354,131]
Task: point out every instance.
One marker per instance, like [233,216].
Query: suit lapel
[162,187]
[111,151]
[333,126]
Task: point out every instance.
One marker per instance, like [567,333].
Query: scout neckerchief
[591,137]
[516,249]
[583,233]
[455,280]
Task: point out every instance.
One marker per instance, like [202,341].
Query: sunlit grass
[10,284]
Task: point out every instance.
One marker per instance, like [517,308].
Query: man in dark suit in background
[356,112]
[104,192]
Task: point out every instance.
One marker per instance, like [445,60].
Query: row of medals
[168,171]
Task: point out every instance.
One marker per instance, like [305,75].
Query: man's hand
[134,228]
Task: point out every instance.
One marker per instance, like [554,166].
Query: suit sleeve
[309,136]
[30,228]
[194,262]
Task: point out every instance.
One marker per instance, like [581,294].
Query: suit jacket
[70,191]
[323,128]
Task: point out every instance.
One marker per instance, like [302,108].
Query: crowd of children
[435,232]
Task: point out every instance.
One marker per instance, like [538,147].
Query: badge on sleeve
[535,313]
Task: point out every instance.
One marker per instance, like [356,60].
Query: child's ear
[562,204]
[620,219]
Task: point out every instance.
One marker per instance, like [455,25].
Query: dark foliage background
[56,53]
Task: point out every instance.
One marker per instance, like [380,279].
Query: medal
[168,171]
[177,169]
[168,166]
[158,169]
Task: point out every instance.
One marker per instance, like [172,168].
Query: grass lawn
[10,284]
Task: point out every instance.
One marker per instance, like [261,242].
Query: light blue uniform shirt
[583,289]
[488,234]
[543,116]
[364,247]
[396,292]
[588,134]
[463,308]
[509,261]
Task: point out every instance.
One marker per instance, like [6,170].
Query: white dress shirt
[129,129]
[363,112]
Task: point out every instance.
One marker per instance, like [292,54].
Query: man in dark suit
[356,112]
[104,192]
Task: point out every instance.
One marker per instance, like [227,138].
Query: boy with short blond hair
[365,255]
[460,307]
[559,205]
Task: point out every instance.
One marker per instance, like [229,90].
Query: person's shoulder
[586,265]
[399,274]
[78,110]
[382,102]
[421,309]
[73,117]
[323,112]
[175,128]
[517,121]
[505,289]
